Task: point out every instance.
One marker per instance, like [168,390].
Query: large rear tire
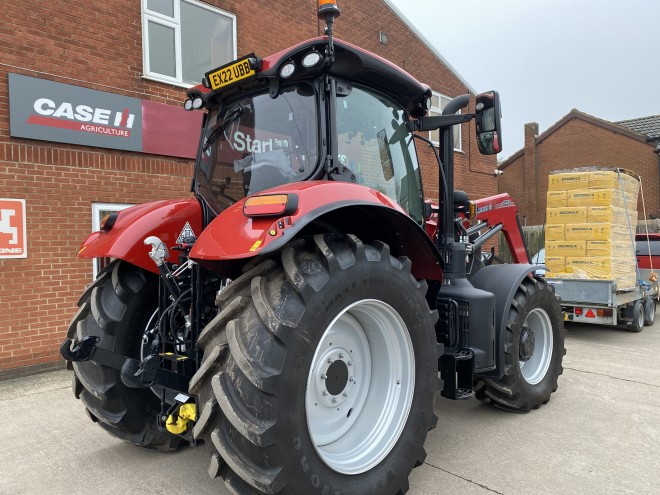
[117,307]
[319,373]
[533,350]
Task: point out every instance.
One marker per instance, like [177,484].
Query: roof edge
[428,44]
[511,159]
[576,114]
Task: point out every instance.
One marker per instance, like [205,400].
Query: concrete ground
[600,434]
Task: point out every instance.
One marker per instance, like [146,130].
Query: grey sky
[546,57]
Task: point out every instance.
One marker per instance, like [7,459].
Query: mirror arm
[455,104]
[440,121]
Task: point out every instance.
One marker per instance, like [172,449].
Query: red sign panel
[13,241]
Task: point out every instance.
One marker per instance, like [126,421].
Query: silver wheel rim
[360,387]
[535,368]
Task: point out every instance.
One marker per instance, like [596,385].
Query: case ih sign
[50,111]
[13,242]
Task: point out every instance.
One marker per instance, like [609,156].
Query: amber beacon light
[328,8]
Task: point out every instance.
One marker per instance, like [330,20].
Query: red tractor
[300,313]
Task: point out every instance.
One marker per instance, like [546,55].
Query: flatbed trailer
[600,302]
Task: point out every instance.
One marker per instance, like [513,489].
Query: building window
[99,211]
[183,39]
[438,103]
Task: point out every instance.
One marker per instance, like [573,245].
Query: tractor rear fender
[233,237]
[125,240]
[502,281]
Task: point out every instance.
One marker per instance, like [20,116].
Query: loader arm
[500,212]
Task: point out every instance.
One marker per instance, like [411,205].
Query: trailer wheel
[319,373]
[533,350]
[637,318]
[649,311]
[117,307]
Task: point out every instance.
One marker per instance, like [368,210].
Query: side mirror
[489,126]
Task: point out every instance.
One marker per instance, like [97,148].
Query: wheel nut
[323,377]
[334,401]
[351,379]
[350,363]
[341,356]
[345,394]
[325,393]
[329,360]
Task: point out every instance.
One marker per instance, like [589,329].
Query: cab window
[375,144]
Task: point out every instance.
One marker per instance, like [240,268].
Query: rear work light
[271,205]
[287,70]
[311,59]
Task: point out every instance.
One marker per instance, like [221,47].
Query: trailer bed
[598,301]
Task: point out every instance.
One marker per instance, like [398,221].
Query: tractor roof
[351,63]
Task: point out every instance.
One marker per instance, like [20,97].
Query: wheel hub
[527,344]
[334,381]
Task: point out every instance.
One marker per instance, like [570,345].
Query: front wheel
[319,373]
[118,308]
[533,350]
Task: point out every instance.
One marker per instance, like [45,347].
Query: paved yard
[599,434]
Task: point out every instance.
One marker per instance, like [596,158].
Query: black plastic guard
[502,281]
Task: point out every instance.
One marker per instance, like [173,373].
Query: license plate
[229,74]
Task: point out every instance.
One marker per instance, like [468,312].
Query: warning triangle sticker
[186,235]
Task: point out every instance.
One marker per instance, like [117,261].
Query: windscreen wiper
[222,127]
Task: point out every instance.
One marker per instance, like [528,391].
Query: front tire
[319,373]
[117,307]
[533,350]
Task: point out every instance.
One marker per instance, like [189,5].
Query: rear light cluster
[591,313]
[270,205]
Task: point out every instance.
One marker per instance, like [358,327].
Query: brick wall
[579,142]
[99,46]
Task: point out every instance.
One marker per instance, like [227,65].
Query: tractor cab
[303,115]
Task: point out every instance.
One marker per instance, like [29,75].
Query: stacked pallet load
[590,225]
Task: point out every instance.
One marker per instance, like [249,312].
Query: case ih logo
[82,118]
[63,113]
[53,111]
[12,228]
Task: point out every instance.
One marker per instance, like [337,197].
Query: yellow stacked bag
[590,225]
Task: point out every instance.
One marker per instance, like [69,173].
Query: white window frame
[458,131]
[175,23]
[97,208]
